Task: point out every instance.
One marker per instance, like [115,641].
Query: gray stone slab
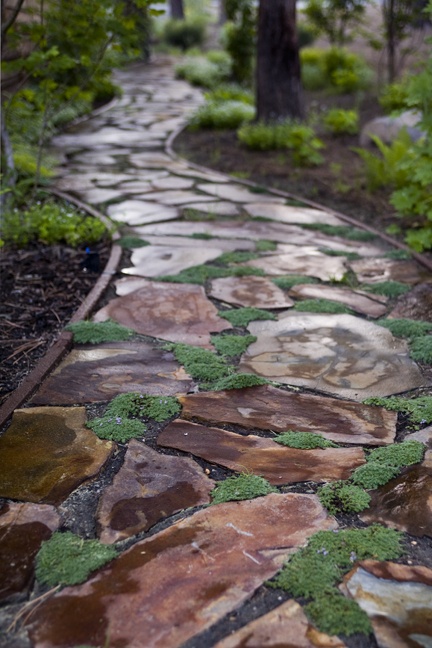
[96,196]
[377,270]
[219,208]
[159,260]
[138,212]
[290,214]
[177,197]
[302,261]
[226,245]
[172,182]
[237,193]
[254,292]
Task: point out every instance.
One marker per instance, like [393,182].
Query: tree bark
[177,10]
[279,90]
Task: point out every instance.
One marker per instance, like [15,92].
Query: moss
[406,328]
[98,332]
[232,345]
[117,428]
[421,349]
[304,440]
[239,381]
[321,306]
[242,316]
[202,235]
[201,364]
[195,215]
[132,242]
[343,231]
[67,559]
[373,475]
[158,408]
[419,410]
[265,246]
[343,497]
[399,255]
[236,257]
[287,282]
[241,487]
[201,273]
[335,614]
[387,288]
[351,256]
[406,453]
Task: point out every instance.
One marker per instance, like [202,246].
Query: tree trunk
[389,10]
[177,10]
[279,91]
[222,12]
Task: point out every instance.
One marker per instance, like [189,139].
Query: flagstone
[358,300]
[170,311]
[226,245]
[139,212]
[156,160]
[47,452]
[397,599]
[382,269]
[267,408]
[99,373]
[190,172]
[160,260]
[256,292]
[149,487]
[179,582]
[284,627]
[416,304]
[278,464]
[172,182]
[97,196]
[303,261]
[237,193]
[218,208]
[75,182]
[23,528]
[290,214]
[177,197]
[337,354]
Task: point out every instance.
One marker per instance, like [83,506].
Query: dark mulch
[41,287]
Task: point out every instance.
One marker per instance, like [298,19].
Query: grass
[322,306]
[242,316]
[117,428]
[398,454]
[421,350]
[232,345]
[265,246]
[241,487]
[236,257]
[406,328]
[304,440]
[373,475]
[98,332]
[130,242]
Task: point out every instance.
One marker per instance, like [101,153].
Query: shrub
[398,454]
[342,122]
[373,474]
[393,97]
[184,33]
[239,38]
[239,381]
[241,487]
[230,92]
[219,115]
[385,169]
[199,71]
[335,68]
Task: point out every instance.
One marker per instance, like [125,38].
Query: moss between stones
[236,257]
[195,215]
[98,332]
[387,288]
[343,496]
[265,246]
[117,428]
[239,381]
[242,316]
[314,571]
[202,235]
[304,440]
[344,231]
[132,242]
[322,306]
[351,256]
[201,364]
[241,487]
[202,273]
[232,345]
[419,410]
[406,328]
[287,282]
[406,453]
[372,475]
[400,255]
[67,559]
[421,349]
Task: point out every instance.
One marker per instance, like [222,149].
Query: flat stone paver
[358,300]
[159,260]
[253,292]
[289,214]
[303,261]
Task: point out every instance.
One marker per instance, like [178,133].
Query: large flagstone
[302,261]
[97,195]
[227,245]
[217,207]
[178,197]
[149,487]
[237,193]
[357,300]
[140,212]
[170,311]
[336,354]
[377,270]
[268,408]
[397,599]
[23,528]
[99,373]
[259,456]
[172,182]
[290,214]
[416,304]
[168,588]
[256,292]
[160,260]
[47,452]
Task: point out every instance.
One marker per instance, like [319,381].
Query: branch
[8,24]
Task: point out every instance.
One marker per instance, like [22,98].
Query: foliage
[67,559]
[398,454]
[230,92]
[228,114]
[418,410]
[306,33]
[342,122]
[394,97]
[321,306]
[341,496]
[373,474]
[184,34]
[201,364]
[387,288]
[51,222]
[398,255]
[336,68]
[406,328]
[384,169]
[298,138]
[239,38]
[304,440]
[238,381]
[421,350]
[334,17]
[232,345]
[206,71]
[343,231]
[242,316]
[201,273]
[98,332]
[241,487]
[288,281]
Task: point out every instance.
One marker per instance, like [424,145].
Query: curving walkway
[203,248]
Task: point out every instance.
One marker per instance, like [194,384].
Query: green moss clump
[304,440]
[158,408]
[98,332]
[343,231]
[201,364]
[406,328]
[265,246]
[288,281]
[421,349]
[239,381]
[117,428]
[194,215]
[419,410]
[341,496]
[130,242]
[321,306]
[232,345]
[242,316]
[351,256]
[373,475]
[387,288]
[236,257]
[406,453]
[202,273]
[204,236]
[241,487]
[67,559]
[161,408]
[399,255]
[335,614]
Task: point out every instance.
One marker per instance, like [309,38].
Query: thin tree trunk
[177,10]
[9,170]
[222,12]
[389,17]
[279,91]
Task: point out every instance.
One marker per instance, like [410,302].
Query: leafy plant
[342,496]
[238,38]
[230,92]
[385,170]
[342,122]
[242,316]
[241,487]
[334,18]
[200,71]
[304,440]
[336,68]
[394,97]
[98,332]
[228,114]
[184,34]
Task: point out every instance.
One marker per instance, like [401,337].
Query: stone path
[210,248]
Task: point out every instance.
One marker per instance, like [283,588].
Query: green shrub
[157,408]
[385,169]
[232,345]
[242,316]
[306,33]
[312,77]
[199,71]
[222,115]
[304,440]
[117,428]
[334,68]
[341,496]
[231,92]
[238,38]
[335,614]
[98,332]
[421,349]
[184,34]
[394,97]
[342,122]
[241,487]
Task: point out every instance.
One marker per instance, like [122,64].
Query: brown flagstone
[284,627]
[169,587]
[416,304]
[47,452]
[268,408]
[381,269]
[278,464]
[359,301]
[397,599]
[170,311]
[149,487]
[23,528]
[256,292]
[97,373]
[303,261]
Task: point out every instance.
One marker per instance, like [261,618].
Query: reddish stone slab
[256,292]
[268,408]
[98,373]
[170,311]
[380,269]
[149,487]
[47,452]
[23,528]
[278,464]
[416,304]
[182,580]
